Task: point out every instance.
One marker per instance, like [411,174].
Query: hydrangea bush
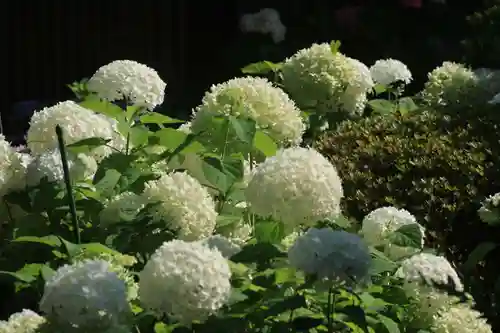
[225,224]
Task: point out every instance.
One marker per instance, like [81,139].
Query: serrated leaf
[158,118]
[262,67]
[100,106]
[382,106]
[390,325]
[410,235]
[51,240]
[265,144]
[85,146]
[269,231]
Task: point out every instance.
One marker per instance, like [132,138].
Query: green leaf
[46,272]
[177,140]
[116,161]
[410,235]
[380,263]
[382,106]
[260,252]
[96,248]
[285,275]
[222,174]
[478,254]
[227,220]
[262,67]
[406,105]
[22,277]
[335,46]
[243,128]
[265,144]
[107,184]
[269,231]
[236,297]
[51,240]
[71,248]
[139,136]
[379,89]
[100,106]
[158,118]
[85,146]
[390,325]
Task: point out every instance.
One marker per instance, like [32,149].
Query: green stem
[67,180]
[331,308]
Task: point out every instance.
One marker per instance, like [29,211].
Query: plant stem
[67,180]
[331,308]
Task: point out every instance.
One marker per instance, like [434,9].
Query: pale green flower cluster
[185,205]
[254,98]
[318,79]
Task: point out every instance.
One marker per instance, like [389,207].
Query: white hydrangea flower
[187,281]
[19,167]
[224,245]
[185,204]
[49,164]
[239,234]
[255,98]
[127,203]
[461,318]
[490,209]
[317,78]
[381,223]
[185,128]
[448,84]
[389,71]
[331,254]
[266,21]
[296,186]
[127,79]
[118,264]
[426,302]
[86,294]
[25,321]
[7,165]
[78,123]
[429,268]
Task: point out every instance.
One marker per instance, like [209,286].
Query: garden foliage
[115,221]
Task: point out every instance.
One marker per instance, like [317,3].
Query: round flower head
[389,71]
[86,294]
[118,264]
[451,83]
[49,164]
[297,186]
[425,302]
[238,233]
[77,123]
[19,168]
[126,204]
[489,211]
[328,82]
[25,321]
[331,254]
[129,80]
[224,245]
[460,318]
[188,281]
[379,225]
[254,98]
[184,203]
[7,164]
[429,269]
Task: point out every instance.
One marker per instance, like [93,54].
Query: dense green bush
[439,167]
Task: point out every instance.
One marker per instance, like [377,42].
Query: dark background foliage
[195,44]
[437,165]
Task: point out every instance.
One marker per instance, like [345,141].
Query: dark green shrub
[482,44]
[437,166]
